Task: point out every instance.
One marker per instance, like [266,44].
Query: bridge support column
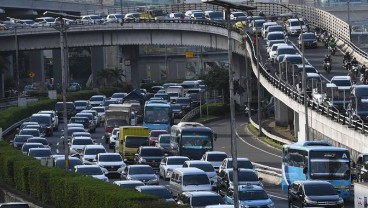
[56,68]
[130,56]
[239,76]
[281,113]
[301,122]
[97,63]
[296,124]
[37,65]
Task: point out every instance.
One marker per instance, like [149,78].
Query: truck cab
[130,139]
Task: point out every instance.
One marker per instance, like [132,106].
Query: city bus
[317,160]
[158,115]
[191,141]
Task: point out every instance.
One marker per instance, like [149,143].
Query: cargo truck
[130,139]
[117,115]
[361,195]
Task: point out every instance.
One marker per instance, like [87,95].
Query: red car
[154,136]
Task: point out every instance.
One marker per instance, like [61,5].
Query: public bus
[191,140]
[157,116]
[317,160]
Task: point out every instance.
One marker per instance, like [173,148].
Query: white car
[92,170]
[114,18]
[113,137]
[112,162]
[54,118]
[90,152]
[215,158]
[40,153]
[273,51]
[101,112]
[168,164]
[92,19]
[97,100]
[203,165]
[45,21]
[78,143]
[243,162]
[239,16]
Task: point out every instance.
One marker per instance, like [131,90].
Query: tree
[217,78]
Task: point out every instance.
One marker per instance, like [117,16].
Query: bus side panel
[289,175]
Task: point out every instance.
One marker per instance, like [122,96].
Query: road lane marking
[253,145]
[277,197]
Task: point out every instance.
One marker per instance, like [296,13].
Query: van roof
[189,171]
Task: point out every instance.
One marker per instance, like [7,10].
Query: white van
[188,179]
[293,26]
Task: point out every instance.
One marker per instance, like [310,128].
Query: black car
[185,102]
[149,155]
[313,194]
[70,110]
[177,110]
[45,121]
[309,39]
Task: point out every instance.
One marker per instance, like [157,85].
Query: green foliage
[55,187]
[217,109]
[217,78]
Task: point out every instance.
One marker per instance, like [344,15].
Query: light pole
[61,27]
[16,47]
[259,114]
[227,6]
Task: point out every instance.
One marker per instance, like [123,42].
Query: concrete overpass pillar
[97,63]
[281,114]
[296,123]
[130,55]
[37,65]
[301,132]
[56,67]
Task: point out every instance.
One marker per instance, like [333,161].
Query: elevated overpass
[325,124]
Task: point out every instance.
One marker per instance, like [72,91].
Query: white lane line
[253,145]
[277,197]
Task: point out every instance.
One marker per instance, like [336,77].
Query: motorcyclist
[347,57]
[327,59]
[354,62]
[332,43]
[362,69]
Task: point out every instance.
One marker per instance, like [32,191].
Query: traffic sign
[31,74]
[189,54]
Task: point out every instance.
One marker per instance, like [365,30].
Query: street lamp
[61,27]
[16,46]
[227,6]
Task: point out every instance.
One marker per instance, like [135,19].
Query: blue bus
[191,140]
[317,160]
[158,115]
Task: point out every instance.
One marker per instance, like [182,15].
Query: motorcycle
[346,64]
[327,66]
[332,50]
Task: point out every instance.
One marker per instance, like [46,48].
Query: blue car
[250,196]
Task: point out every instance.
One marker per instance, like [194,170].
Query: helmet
[347,53]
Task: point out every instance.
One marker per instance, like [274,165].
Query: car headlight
[142,160]
[309,201]
[272,205]
[154,179]
[341,201]
[129,178]
[315,41]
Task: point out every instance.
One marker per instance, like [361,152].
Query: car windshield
[197,179]
[177,14]
[110,158]
[99,110]
[114,131]
[71,131]
[94,151]
[216,157]
[97,98]
[28,146]
[296,23]
[41,119]
[90,171]
[80,103]
[319,190]
[135,142]
[216,15]
[95,17]
[22,138]
[202,201]
[40,153]
[35,140]
[274,29]
[244,176]
[118,95]
[140,170]
[293,59]
[309,36]
[198,14]
[204,167]
[33,132]
[151,152]
[88,115]
[135,15]
[108,102]
[176,161]
[160,192]
[165,139]
[252,195]
[341,82]
[286,51]
[82,141]
[79,120]
[183,101]
[329,169]
[241,164]
[60,163]
[277,36]
[239,14]
[157,133]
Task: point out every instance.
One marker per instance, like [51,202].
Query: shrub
[216,109]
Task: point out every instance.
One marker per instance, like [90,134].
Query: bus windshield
[195,140]
[157,115]
[329,169]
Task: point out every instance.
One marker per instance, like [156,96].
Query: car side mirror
[305,170]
